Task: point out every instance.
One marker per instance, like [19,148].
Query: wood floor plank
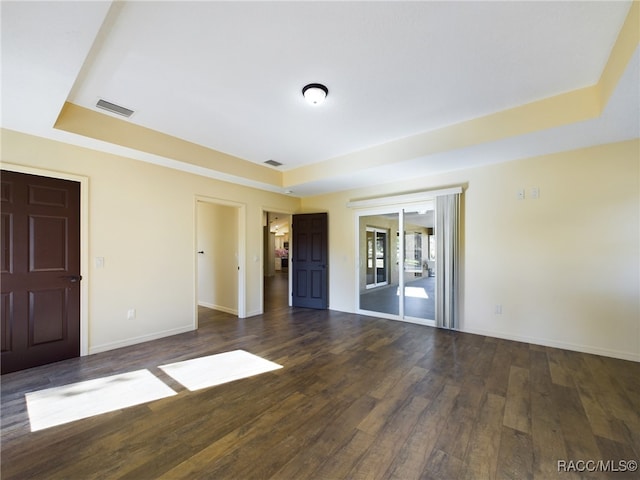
[539,372]
[203,459]
[376,420]
[482,363]
[617,455]
[454,437]
[520,355]
[498,375]
[517,408]
[560,375]
[412,458]
[579,440]
[441,466]
[377,459]
[546,435]
[342,462]
[332,439]
[602,423]
[515,459]
[481,459]
[294,433]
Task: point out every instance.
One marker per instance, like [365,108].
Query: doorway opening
[276,227]
[220,256]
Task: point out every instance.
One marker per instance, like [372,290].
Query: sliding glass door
[396,271]
[378,263]
[418,266]
[408,257]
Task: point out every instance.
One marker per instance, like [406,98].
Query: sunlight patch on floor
[217,369]
[415,292]
[60,405]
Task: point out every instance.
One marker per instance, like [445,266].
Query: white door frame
[241,246]
[84,241]
[397,209]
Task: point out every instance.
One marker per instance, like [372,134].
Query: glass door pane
[370,265]
[379,274]
[419,267]
[381,257]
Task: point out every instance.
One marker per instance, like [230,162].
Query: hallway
[276,288]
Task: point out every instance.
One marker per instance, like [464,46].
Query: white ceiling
[228,75]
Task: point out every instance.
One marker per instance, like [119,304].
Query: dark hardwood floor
[276,291]
[358,397]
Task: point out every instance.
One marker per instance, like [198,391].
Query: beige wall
[142,221]
[565,267]
[217,238]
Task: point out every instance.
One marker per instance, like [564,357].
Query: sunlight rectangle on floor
[217,369]
[59,405]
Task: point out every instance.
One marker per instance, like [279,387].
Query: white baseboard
[220,308]
[135,340]
[631,356]
[634,357]
[206,304]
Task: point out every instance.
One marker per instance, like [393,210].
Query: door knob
[73,278]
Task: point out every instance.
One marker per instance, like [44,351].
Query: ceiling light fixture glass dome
[315,93]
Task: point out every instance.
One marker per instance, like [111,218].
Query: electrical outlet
[521,194]
[535,193]
[131,314]
[498,310]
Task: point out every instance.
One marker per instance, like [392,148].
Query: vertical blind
[447,212]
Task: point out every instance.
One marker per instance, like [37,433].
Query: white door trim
[84,240]
[265,211]
[242,252]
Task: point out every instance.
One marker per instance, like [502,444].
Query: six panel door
[40,270]
[310,260]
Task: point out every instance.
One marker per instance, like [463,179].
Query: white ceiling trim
[50,51]
[407,198]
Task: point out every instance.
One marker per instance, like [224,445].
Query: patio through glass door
[397,265]
[377,257]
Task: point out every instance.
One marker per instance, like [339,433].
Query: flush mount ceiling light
[315,93]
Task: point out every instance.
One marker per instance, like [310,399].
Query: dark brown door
[40,270]
[310,261]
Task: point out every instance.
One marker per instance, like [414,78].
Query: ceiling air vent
[273,163]
[113,108]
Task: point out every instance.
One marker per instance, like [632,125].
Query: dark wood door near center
[310,261]
[40,270]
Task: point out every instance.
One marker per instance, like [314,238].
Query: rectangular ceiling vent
[273,163]
[113,108]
